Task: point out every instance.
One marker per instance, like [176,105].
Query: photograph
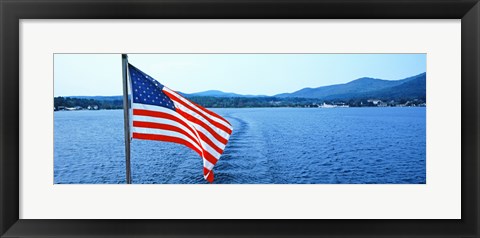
[250,118]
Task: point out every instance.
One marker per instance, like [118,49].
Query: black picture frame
[12,11]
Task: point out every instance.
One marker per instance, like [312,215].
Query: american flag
[159,113]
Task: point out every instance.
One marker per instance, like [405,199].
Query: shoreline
[329,108]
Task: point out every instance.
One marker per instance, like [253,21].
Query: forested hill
[359,92]
[411,87]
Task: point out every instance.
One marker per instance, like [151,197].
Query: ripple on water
[268,145]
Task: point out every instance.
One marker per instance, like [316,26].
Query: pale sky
[257,74]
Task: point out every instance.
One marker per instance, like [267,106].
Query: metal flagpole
[126,121]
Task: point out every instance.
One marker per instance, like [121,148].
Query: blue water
[268,146]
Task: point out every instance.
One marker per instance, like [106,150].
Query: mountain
[363,88]
[219,94]
[412,87]
[209,93]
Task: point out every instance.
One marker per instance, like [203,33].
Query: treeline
[69,102]
[242,102]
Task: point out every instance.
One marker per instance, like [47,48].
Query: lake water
[268,146]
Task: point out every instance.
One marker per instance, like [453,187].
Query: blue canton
[147,90]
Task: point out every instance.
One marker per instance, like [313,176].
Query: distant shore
[83,109]
[75,104]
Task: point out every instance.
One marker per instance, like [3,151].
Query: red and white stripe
[201,130]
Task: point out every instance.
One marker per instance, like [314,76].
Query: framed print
[268,118]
